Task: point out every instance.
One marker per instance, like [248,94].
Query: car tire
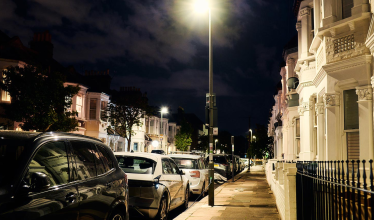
[117,215]
[163,210]
[203,194]
[186,199]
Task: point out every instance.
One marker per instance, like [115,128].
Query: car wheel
[186,196]
[203,194]
[117,215]
[163,211]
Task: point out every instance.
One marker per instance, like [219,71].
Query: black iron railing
[334,190]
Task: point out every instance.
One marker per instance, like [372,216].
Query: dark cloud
[162,47]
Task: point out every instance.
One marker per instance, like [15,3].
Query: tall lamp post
[203,6]
[164,110]
[215,148]
[250,130]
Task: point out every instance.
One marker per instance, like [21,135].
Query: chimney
[42,43]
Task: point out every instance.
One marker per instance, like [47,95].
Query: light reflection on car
[156,185]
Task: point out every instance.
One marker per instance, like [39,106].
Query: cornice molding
[319,77]
[347,63]
[301,86]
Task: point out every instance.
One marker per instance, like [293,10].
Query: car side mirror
[39,182]
[157,179]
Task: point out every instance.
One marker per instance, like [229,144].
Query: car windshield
[10,152]
[219,159]
[184,163]
[157,151]
[138,165]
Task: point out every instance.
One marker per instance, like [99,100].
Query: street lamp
[216,145]
[202,6]
[250,130]
[164,110]
[254,137]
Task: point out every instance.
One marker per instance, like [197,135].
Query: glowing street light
[164,110]
[216,145]
[250,130]
[201,6]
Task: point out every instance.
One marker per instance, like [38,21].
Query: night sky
[161,46]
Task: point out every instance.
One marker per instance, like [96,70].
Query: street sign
[215,131]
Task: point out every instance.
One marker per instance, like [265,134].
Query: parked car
[222,164]
[57,176]
[156,183]
[162,152]
[195,170]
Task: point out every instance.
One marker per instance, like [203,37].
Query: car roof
[185,156]
[28,135]
[152,156]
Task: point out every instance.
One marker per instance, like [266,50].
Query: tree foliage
[39,99]
[262,144]
[183,138]
[126,111]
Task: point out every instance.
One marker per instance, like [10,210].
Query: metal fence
[334,190]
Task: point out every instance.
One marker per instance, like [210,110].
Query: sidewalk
[249,197]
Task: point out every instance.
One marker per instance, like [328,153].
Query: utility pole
[232,155]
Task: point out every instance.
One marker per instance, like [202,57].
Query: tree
[125,111]
[183,138]
[39,99]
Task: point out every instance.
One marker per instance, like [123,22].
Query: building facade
[333,119]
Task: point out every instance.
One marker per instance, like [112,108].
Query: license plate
[216,165]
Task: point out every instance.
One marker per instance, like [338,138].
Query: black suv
[59,176]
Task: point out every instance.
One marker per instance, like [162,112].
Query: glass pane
[51,159]
[297,146]
[10,152]
[93,108]
[350,109]
[166,169]
[84,159]
[347,5]
[298,127]
[174,167]
[186,163]
[137,165]
[108,163]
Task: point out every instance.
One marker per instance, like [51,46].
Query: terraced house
[324,105]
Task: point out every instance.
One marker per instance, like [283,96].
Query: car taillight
[126,180]
[195,174]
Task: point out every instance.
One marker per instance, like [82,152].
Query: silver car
[195,170]
[156,184]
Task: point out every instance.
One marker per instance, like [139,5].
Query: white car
[156,184]
[195,170]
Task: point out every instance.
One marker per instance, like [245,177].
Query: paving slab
[246,198]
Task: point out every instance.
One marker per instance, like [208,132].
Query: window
[169,128]
[312,20]
[5,96]
[93,108]
[166,168]
[51,159]
[350,109]
[84,159]
[107,160]
[185,163]
[103,109]
[135,146]
[79,103]
[297,136]
[347,5]
[152,122]
[174,167]
[137,165]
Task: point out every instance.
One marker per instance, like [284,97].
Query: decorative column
[305,31]
[332,102]
[305,132]
[365,111]
[320,110]
[298,28]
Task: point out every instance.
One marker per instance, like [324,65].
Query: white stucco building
[334,116]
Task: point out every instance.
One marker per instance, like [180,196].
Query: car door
[94,201]
[59,200]
[169,180]
[178,182]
